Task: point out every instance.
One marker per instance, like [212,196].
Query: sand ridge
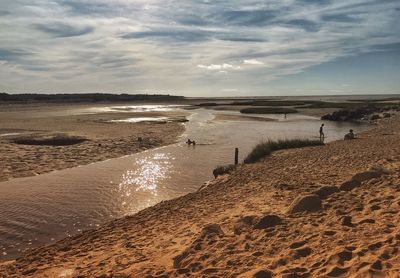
[241,225]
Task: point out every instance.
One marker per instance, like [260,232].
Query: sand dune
[330,211]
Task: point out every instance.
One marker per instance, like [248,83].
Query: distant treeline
[97,97]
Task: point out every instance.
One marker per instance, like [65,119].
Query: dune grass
[265,148]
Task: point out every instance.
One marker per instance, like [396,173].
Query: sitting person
[349,135]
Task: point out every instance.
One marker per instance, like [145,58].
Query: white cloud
[221,67]
[230,90]
[252,62]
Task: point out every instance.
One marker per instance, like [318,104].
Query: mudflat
[325,211]
[39,138]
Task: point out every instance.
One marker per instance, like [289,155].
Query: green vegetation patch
[265,148]
[268,110]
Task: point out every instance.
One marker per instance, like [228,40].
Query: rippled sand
[245,224]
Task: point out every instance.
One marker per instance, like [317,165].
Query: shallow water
[9,134]
[129,108]
[41,209]
[140,119]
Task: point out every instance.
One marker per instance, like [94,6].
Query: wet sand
[104,139]
[260,221]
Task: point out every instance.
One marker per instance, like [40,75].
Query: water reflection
[147,174]
[9,134]
[141,119]
[133,108]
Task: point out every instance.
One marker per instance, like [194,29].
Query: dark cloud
[317,2]
[387,47]
[192,36]
[62,30]
[251,18]
[304,24]
[253,54]
[88,8]
[367,4]
[340,18]
[175,35]
[114,61]
[4,13]
[11,55]
[238,38]
[37,68]
[192,20]
[247,18]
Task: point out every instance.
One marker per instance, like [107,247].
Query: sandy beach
[103,139]
[329,211]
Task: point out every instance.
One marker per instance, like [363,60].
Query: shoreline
[22,160]
[129,246]
[101,138]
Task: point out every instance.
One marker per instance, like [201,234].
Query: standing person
[321,133]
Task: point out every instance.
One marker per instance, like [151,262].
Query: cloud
[174,35]
[243,38]
[222,67]
[305,24]
[230,90]
[317,2]
[191,35]
[90,7]
[180,45]
[63,30]
[252,62]
[247,17]
[4,13]
[340,18]
[392,47]
[12,54]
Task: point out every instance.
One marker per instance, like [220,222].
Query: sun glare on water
[148,173]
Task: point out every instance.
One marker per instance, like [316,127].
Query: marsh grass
[265,148]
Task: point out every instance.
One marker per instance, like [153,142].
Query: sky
[200,48]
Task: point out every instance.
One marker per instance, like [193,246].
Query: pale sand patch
[354,234]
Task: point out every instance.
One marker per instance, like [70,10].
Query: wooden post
[236,156]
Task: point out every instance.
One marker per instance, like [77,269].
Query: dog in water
[191,142]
